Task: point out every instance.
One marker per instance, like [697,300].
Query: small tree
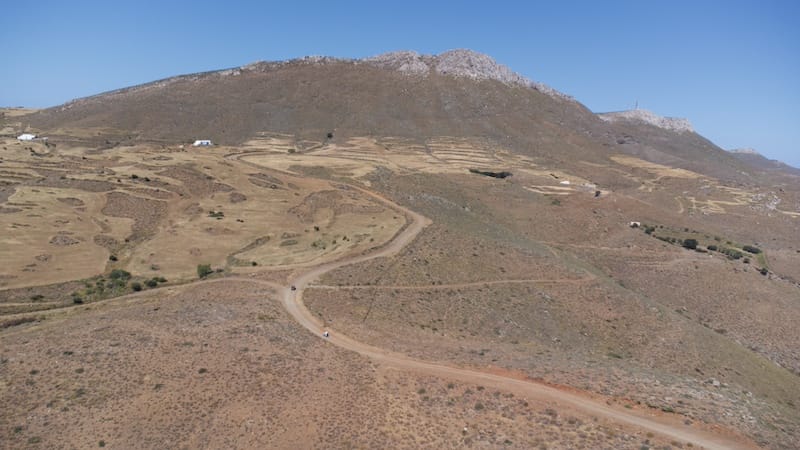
[751,249]
[204,270]
[691,244]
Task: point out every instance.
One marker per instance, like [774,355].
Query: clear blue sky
[731,67]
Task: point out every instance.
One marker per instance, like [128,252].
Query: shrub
[690,243]
[119,274]
[751,249]
[732,253]
[151,283]
[204,270]
[136,286]
[161,279]
[112,258]
[764,271]
[649,229]
[712,247]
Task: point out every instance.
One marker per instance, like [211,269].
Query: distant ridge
[642,115]
[458,93]
[459,63]
[759,161]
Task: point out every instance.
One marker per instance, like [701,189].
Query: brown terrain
[466,241]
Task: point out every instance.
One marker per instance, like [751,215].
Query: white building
[202,143]
[26,137]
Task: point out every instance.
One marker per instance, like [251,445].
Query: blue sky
[731,67]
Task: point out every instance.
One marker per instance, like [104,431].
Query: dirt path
[663,425]
[431,287]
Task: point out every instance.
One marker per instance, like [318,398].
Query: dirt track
[293,302]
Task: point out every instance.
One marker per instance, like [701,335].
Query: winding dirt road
[666,426]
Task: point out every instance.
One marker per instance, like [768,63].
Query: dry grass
[152,208]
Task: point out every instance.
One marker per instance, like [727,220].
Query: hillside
[760,162]
[496,265]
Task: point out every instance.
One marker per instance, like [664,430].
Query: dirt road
[666,426]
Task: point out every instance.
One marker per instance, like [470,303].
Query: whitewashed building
[26,137]
[202,143]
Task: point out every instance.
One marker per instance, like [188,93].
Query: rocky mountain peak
[644,116]
[461,63]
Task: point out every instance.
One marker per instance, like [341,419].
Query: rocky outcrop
[461,63]
[644,116]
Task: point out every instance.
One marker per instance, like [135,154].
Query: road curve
[293,302]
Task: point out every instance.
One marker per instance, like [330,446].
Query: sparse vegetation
[204,270]
[119,274]
[751,249]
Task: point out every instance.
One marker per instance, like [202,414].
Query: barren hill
[496,265]
[458,93]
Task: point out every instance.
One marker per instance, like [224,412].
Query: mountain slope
[458,93]
[760,162]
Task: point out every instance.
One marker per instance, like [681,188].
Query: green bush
[204,270]
[119,274]
[732,253]
[151,283]
[691,244]
[136,286]
[751,249]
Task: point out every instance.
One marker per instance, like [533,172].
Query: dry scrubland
[221,365]
[526,275]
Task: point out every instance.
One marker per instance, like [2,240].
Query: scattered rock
[63,240]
